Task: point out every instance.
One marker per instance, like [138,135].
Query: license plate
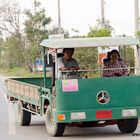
[101,114]
[78,115]
[129,112]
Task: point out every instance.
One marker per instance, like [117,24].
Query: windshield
[95,62]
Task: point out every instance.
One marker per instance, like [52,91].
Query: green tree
[54,30]
[98,31]
[88,57]
[10,23]
[127,54]
[1,50]
[11,56]
[35,30]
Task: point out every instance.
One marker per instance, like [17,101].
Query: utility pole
[137,50]
[59,18]
[35,7]
[136,16]
[102,14]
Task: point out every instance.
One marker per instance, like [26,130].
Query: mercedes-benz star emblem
[102,97]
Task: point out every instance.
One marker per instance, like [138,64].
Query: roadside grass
[22,72]
[19,72]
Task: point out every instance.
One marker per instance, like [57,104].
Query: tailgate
[23,91]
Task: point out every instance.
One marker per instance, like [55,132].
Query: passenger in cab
[111,68]
[107,59]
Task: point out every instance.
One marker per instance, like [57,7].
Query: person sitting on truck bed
[115,63]
[67,62]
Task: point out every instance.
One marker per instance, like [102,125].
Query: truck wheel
[127,125]
[53,128]
[24,116]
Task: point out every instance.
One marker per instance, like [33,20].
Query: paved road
[10,130]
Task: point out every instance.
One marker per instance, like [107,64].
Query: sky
[81,14]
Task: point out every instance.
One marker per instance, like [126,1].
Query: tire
[10,98]
[127,125]
[53,128]
[24,116]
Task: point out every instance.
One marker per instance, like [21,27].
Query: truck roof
[89,42]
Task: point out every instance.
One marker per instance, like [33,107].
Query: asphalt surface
[10,129]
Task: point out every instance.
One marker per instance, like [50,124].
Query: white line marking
[4,94]
[12,126]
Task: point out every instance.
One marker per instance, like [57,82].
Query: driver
[67,62]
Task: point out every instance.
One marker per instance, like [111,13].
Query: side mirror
[48,58]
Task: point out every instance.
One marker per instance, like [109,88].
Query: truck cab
[88,101]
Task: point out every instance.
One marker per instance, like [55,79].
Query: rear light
[103,114]
[61,117]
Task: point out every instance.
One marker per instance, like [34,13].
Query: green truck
[66,102]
